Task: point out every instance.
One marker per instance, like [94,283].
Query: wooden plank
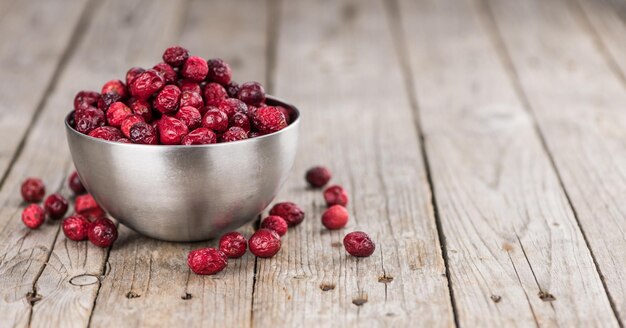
[516,254]
[29,59]
[578,97]
[149,283]
[355,116]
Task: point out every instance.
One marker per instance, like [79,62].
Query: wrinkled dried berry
[76,227]
[132,74]
[215,120]
[33,216]
[335,195]
[86,99]
[33,190]
[106,133]
[55,206]
[233,244]
[75,184]
[219,71]
[191,86]
[117,112]
[213,93]
[358,244]
[231,106]
[190,116]
[240,120]
[171,130]
[195,69]
[87,206]
[275,223]
[141,107]
[269,119]
[167,72]
[232,89]
[252,93]
[264,243]
[106,99]
[175,56]
[335,217]
[167,99]
[128,123]
[199,136]
[87,119]
[102,232]
[234,133]
[207,261]
[285,112]
[143,133]
[115,86]
[192,99]
[146,84]
[318,176]
[289,211]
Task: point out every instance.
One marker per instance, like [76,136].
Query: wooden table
[483,144]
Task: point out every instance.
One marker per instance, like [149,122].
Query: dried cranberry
[275,223]
[190,116]
[240,120]
[188,98]
[128,122]
[143,133]
[335,195]
[199,136]
[219,71]
[318,176]
[106,133]
[87,206]
[167,99]
[167,72]
[171,130]
[358,244]
[233,244]
[191,86]
[335,217]
[146,84]
[175,56]
[141,107]
[232,89]
[87,119]
[289,211]
[33,216]
[269,119]
[207,261]
[132,74]
[115,86]
[106,99]
[76,227]
[214,93]
[33,190]
[285,112]
[102,232]
[195,69]
[86,99]
[264,243]
[55,206]
[215,120]
[234,133]
[231,106]
[75,184]
[117,112]
[252,93]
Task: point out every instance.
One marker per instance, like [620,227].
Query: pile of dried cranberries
[184,100]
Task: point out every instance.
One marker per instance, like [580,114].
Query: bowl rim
[272,99]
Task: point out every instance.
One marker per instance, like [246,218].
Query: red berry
[86,99]
[207,261]
[240,120]
[289,211]
[189,98]
[215,120]
[233,244]
[75,184]
[33,216]
[190,116]
[146,84]
[335,195]
[55,206]
[214,93]
[191,86]
[231,106]
[87,119]
[102,232]
[335,217]
[285,112]
[175,55]
[358,244]
[252,93]
[115,86]
[167,99]
[275,223]
[199,136]
[141,107]
[167,72]
[106,99]
[87,206]
[269,119]
[318,176]
[171,130]
[123,140]
[143,133]
[76,227]
[264,243]
[132,74]
[195,69]
[33,190]
[117,112]
[106,133]
[219,71]
[234,133]
[232,89]
[128,123]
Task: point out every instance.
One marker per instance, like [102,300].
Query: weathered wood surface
[515,250]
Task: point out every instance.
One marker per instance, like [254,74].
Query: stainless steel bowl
[185,193]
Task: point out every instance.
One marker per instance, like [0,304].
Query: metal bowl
[185,193]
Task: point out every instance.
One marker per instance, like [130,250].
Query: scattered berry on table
[264,243]
[335,217]
[87,206]
[318,176]
[207,261]
[335,195]
[75,184]
[275,223]
[33,216]
[76,227]
[55,206]
[33,190]
[233,244]
[290,212]
[358,244]
[102,232]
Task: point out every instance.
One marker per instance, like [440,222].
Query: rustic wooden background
[483,143]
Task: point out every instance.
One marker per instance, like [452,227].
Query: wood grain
[356,119]
[516,254]
[578,98]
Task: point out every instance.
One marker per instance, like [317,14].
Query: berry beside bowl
[185,192]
